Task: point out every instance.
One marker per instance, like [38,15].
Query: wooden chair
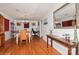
[23,36]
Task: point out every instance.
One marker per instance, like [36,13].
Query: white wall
[40,28]
[22,25]
[59,32]
[45,28]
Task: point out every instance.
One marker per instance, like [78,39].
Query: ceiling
[27,11]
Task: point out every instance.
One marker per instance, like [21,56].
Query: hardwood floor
[36,47]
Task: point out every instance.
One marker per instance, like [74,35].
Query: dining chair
[23,35]
[35,32]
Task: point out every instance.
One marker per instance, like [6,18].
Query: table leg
[17,38]
[47,42]
[51,43]
[29,37]
[77,49]
[69,51]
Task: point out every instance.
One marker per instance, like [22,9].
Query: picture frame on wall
[26,24]
[33,24]
[18,23]
[45,21]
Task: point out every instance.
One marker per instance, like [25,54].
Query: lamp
[50,31]
[75,36]
[75,31]
[76,40]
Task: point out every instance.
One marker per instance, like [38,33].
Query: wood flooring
[36,47]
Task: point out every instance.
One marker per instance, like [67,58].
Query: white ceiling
[28,10]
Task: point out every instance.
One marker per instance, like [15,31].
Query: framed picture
[26,24]
[18,23]
[45,21]
[65,15]
[33,24]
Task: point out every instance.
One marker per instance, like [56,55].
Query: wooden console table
[62,41]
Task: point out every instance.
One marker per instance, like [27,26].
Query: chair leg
[26,41]
[20,42]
